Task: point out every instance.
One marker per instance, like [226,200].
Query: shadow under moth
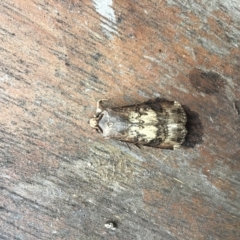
[159,123]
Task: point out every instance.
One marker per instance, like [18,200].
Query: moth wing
[139,124]
[174,123]
[159,124]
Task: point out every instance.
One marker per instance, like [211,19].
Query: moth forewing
[159,123]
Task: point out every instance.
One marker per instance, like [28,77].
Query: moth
[156,123]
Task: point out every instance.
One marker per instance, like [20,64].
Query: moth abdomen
[154,123]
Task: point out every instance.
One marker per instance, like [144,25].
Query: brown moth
[159,123]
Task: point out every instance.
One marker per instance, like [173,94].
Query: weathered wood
[61,180]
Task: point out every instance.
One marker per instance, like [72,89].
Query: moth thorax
[93,122]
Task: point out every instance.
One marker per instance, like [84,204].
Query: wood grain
[61,180]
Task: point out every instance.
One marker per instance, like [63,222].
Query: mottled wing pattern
[157,124]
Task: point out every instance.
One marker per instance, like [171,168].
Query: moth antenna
[99,108]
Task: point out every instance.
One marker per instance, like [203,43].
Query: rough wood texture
[61,180]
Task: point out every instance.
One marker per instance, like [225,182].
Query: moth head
[93,122]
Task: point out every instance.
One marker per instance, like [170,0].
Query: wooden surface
[61,180]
